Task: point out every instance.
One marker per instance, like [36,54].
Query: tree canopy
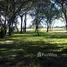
[43,9]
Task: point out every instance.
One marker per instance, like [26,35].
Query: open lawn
[21,50]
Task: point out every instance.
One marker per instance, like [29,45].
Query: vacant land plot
[22,50]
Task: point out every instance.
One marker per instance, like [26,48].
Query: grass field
[20,50]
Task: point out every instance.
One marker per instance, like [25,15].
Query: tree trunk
[65,20]
[2,33]
[1,28]
[16,27]
[37,29]
[24,29]
[37,22]
[65,14]
[66,23]
[47,26]
[9,33]
[5,29]
[10,30]
[47,29]
[12,19]
[21,23]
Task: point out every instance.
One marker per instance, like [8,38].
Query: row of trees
[47,10]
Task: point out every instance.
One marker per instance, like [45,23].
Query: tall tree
[51,14]
[38,7]
[6,12]
[63,6]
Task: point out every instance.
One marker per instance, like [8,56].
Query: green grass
[22,47]
[52,38]
[31,38]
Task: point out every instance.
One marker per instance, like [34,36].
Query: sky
[29,20]
[56,22]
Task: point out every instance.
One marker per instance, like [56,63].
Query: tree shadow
[25,54]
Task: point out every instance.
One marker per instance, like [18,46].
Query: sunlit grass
[52,38]
[56,38]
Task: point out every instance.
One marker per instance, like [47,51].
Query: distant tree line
[47,10]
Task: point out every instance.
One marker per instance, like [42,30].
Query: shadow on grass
[25,54]
[20,54]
